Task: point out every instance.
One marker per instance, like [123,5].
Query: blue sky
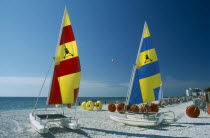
[104,30]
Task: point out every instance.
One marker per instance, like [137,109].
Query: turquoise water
[18,103]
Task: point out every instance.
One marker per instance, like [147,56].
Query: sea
[18,103]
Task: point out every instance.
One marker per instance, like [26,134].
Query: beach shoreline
[15,123]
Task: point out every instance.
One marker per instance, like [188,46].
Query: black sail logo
[66,52]
[147,58]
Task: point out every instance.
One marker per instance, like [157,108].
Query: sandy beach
[15,123]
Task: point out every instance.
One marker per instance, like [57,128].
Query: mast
[47,101]
[134,68]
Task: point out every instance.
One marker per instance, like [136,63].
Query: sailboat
[145,87]
[64,84]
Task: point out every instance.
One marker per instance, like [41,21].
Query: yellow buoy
[83,105]
[89,105]
[99,105]
[57,105]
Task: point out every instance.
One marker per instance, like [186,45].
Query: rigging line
[134,71]
[43,84]
[55,58]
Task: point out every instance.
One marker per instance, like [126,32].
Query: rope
[43,85]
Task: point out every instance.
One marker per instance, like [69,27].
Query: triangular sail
[67,72]
[146,84]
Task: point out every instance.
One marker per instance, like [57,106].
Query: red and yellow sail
[67,71]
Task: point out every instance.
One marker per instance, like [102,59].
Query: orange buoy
[128,107]
[141,109]
[121,108]
[112,107]
[154,107]
[68,105]
[144,108]
[147,108]
[134,108]
[208,110]
[193,111]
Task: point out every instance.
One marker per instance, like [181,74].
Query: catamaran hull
[68,124]
[169,117]
[138,122]
[65,122]
[40,128]
[172,120]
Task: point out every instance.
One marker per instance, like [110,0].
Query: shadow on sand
[54,130]
[126,134]
[203,117]
[198,124]
[163,127]
[98,110]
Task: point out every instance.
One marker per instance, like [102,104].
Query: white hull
[68,124]
[172,120]
[132,121]
[169,117]
[43,128]
[37,125]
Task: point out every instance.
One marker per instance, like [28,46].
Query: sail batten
[67,70]
[146,83]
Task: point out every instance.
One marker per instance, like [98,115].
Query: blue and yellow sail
[146,84]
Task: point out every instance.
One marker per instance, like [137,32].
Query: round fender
[121,108]
[134,108]
[141,109]
[147,108]
[98,105]
[144,108]
[154,107]
[112,107]
[89,106]
[57,105]
[83,105]
[208,109]
[193,111]
[128,107]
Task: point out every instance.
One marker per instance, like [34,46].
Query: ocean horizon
[19,103]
